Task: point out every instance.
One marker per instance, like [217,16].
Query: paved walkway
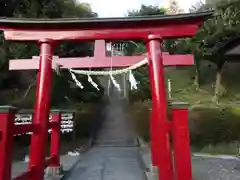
[206,167]
[115,155]
[67,162]
[109,163]
[215,168]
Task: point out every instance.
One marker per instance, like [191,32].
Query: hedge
[208,126]
[213,126]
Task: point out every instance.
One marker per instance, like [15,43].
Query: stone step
[111,136]
[115,145]
[116,142]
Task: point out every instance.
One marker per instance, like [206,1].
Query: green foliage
[86,119]
[140,112]
[224,25]
[52,9]
[62,92]
[208,126]
[213,126]
[147,11]
[144,90]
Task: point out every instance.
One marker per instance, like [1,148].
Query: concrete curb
[151,172]
[222,156]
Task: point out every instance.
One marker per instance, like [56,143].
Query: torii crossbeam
[100,60]
[151,29]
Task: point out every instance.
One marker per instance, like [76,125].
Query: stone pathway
[109,163]
[67,162]
[115,155]
[215,168]
[207,167]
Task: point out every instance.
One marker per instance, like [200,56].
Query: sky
[118,8]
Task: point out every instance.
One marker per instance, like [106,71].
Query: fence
[24,117]
[12,124]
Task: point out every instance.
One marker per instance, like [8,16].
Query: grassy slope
[184,90]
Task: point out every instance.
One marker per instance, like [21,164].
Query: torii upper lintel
[168,26]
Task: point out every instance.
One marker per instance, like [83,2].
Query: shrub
[140,112]
[207,126]
[87,120]
[213,126]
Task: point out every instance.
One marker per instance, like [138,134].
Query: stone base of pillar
[154,169]
[153,174]
[54,172]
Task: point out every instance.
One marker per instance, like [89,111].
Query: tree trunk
[197,78]
[197,74]
[218,84]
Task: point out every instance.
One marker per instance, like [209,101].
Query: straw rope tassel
[90,80]
[132,81]
[76,81]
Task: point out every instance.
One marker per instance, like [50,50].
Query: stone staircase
[116,128]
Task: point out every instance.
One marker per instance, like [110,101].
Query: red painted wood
[6,143]
[181,144]
[24,128]
[100,48]
[100,60]
[159,105]
[48,161]
[96,62]
[52,124]
[166,31]
[55,139]
[41,111]
[154,140]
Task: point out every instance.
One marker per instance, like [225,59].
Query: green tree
[45,9]
[223,26]
[147,11]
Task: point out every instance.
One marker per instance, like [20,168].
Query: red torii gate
[151,29]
